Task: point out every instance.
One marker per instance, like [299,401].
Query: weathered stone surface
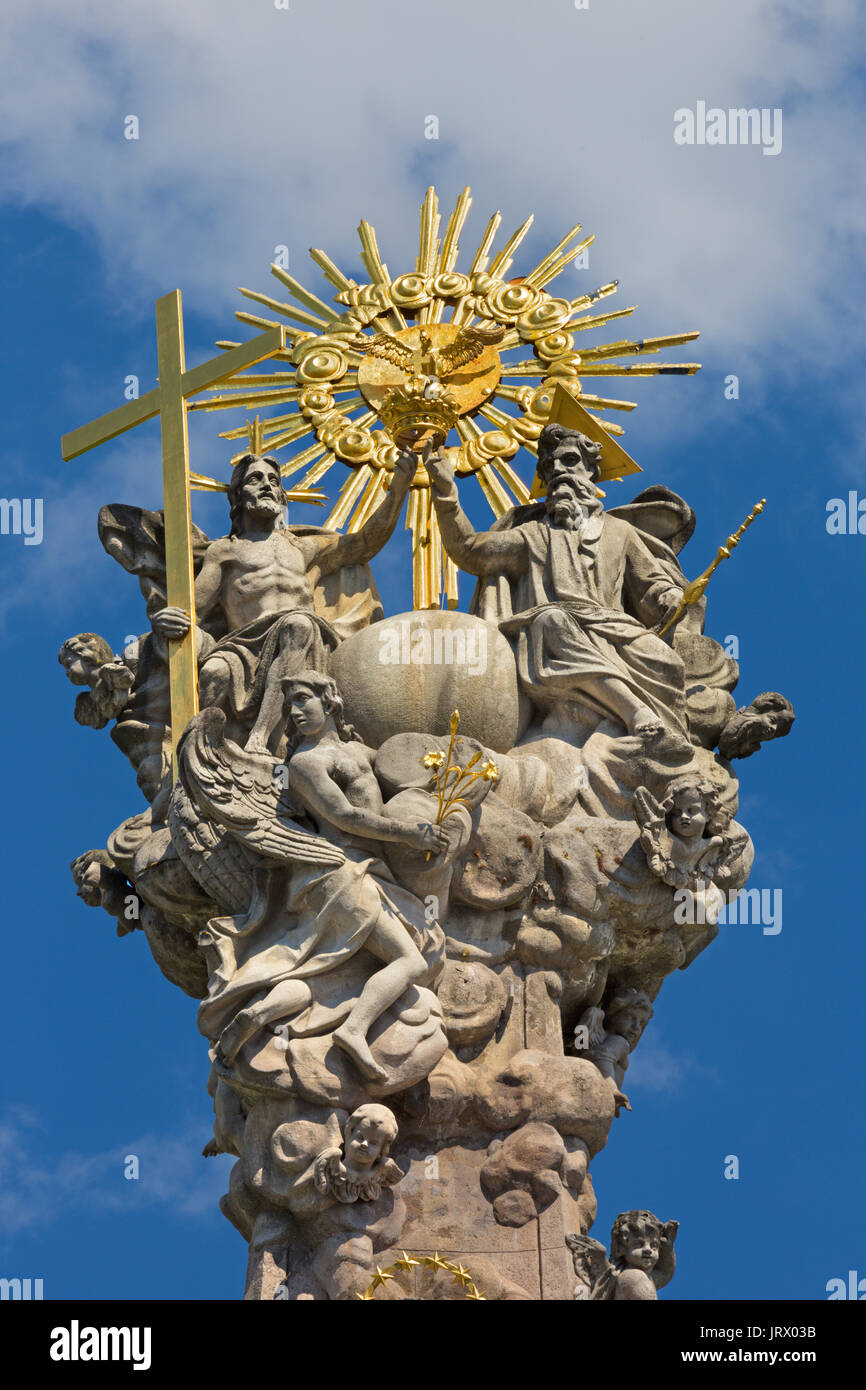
[474,672]
[472,999]
[469,916]
[502,863]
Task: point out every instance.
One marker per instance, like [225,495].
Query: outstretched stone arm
[327,803]
[476,552]
[358,548]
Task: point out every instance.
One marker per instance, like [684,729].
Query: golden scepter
[697,588]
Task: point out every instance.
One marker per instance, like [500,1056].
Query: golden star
[435,1261]
[462,1276]
[368,1293]
[472,1292]
[406,1262]
[380,1277]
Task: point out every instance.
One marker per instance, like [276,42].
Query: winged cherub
[685,835]
[363,1168]
[642,1259]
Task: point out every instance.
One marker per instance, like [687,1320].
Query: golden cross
[168,401]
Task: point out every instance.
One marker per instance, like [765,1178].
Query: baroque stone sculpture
[427,909]
[641,1261]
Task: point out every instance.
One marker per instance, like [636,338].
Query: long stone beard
[565,511]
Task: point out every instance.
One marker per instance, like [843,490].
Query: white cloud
[37,1185]
[654,1068]
[261,126]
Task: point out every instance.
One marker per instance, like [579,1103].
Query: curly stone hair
[550,439]
[718,819]
[88,645]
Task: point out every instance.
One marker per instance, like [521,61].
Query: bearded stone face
[769,716]
[571,491]
[255,491]
[260,491]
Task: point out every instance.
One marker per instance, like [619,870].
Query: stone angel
[607,1036]
[362,1168]
[685,835]
[641,1260]
[88,660]
[324,900]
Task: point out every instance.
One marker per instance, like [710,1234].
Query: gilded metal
[695,590]
[169,401]
[397,336]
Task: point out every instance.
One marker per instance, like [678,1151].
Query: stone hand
[423,835]
[621,1101]
[439,467]
[674,597]
[407,463]
[171,622]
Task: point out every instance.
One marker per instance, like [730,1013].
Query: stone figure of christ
[258,585]
[578,591]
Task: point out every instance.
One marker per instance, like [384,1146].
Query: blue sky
[261,127]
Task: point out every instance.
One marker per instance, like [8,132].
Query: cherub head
[364,1170]
[82,655]
[256,489]
[692,808]
[635,1241]
[313,704]
[370,1131]
[628,1014]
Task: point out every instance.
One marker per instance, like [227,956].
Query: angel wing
[222,867]
[655,838]
[667,1263]
[592,1267]
[135,538]
[469,344]
[237,790]
[592,1019]
[386,346]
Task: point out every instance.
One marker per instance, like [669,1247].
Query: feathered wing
[237,790]
[386,346]
[591,1265]
[469,344]
[655,838]
[328,1167]
[222,867]
[592,1019]
[135,538]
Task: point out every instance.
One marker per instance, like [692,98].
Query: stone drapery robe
[578,604]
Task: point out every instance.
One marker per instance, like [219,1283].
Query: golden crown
[421,407]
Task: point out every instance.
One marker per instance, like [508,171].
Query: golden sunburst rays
[327,400]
